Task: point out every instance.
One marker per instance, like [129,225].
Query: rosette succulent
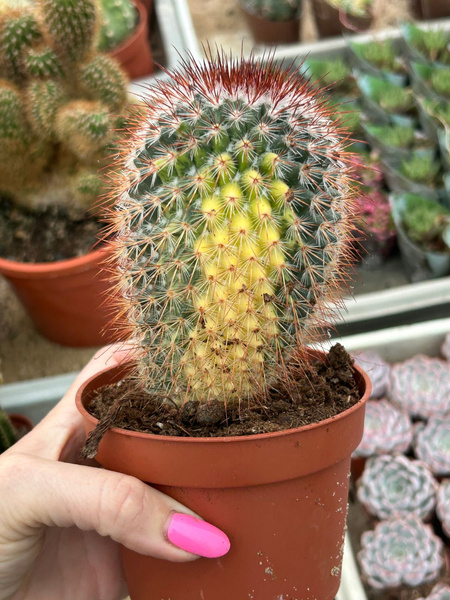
[421,386]
[393,486]
[377,369]
[400,551]
[443,506]
[387,429]
[234,213]
[432,444]
[441,591]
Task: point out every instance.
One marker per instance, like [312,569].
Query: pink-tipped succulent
[387,430]
[445,348]
[432,444]
[393,486]
[443,506]
[233,225]
[421,386]
[400,551]
[377,369]
[441,591]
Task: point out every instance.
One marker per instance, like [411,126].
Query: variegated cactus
[400,551]
[441,591]
[377,369]
[387,430]
[421,386]
[232,224]
[443,506]
[393,486]
[432,444]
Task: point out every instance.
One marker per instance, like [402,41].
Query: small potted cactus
[399,553]
[333,17]
[417,174]
[387,102]
[396,141]
[431,81]
[395,486]
[273,21]
[431,442]
[335,74]
[379,235]
[233,218]
[443,507]
[379,58]
[124,34]
[60,102]
[429,45]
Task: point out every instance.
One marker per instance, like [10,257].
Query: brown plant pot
[65,299]
[280,497]
[21,423]
[416,9]
[135,54]
[435,9]
[330,22]
[273,32]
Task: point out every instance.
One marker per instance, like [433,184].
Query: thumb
[115,505]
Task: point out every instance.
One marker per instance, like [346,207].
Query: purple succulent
[441,591]
[377,369]
[421,386]
[443,506]
[393,486]
[387,430]
[400,551]
[445,348]
[432,444]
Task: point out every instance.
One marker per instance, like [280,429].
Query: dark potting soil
[44,236]
[326,389]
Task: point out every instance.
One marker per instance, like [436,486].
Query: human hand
[61,522]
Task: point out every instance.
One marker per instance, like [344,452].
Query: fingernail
[197,536]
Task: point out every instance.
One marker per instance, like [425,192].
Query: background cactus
[386,430]
[400,551]
[419,168]
[440,82]
[397,136]
[425,222]
[273,10]
[382,55]
[421,386]
[8,435]
[393,486]
[441,591]
[377,369]
[432,444]
[232,226]
[59,102]
[118,19]
[443,507]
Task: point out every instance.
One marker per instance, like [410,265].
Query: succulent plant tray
[399,511]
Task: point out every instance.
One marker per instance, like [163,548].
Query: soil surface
[326,389]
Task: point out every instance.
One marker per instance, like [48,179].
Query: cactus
[421,386]
[396,136]
[420,168]
[376,217]
[395,99]
[356,8]
[273,10]
[425,222]
[119,18]
[445,348]
[400,551]
[393,486]
[232,226]
[440,111]
[443,506]
[433,43]
[381,55]
[440,591]
[59,102]
[387,430]
[432,444]
[8,435]
[440,82]
[377,369]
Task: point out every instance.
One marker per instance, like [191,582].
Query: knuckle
[122,503]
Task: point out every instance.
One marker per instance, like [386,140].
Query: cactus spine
[233,216]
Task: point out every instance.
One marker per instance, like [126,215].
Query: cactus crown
[59,100]
[234,212]
[273,10]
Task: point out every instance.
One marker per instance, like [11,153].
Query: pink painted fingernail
[197,536]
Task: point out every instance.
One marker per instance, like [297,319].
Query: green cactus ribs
[233,227]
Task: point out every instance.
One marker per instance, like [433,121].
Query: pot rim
[139,30]
[223,439]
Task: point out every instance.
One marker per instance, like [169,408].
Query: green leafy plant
[425,222]
[397,136]
[273,10]
[59,104]
[118,18]
[431,43]
[8,435]
[440,81]
[382,55]
[232,227]
[421,169]
[395,99]
[356,8]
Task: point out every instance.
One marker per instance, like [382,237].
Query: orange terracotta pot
[65,299]
[280,497]
[135,54]
[273,32]
[330,22]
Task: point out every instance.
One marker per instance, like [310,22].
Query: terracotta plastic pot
[435,9]
[65,299]
[135,54]
[330,22]
[280,497]
[273,32]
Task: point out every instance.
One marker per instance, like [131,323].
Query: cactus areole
[233,217]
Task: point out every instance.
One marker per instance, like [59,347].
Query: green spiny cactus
[273,10]
[59,101]
[422,169]
[438,110]
[380,54]
[425,222]
[395,99]
[8,435]
[233,222]
[434,42]
[440,81]
[397,136]
[119,19]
